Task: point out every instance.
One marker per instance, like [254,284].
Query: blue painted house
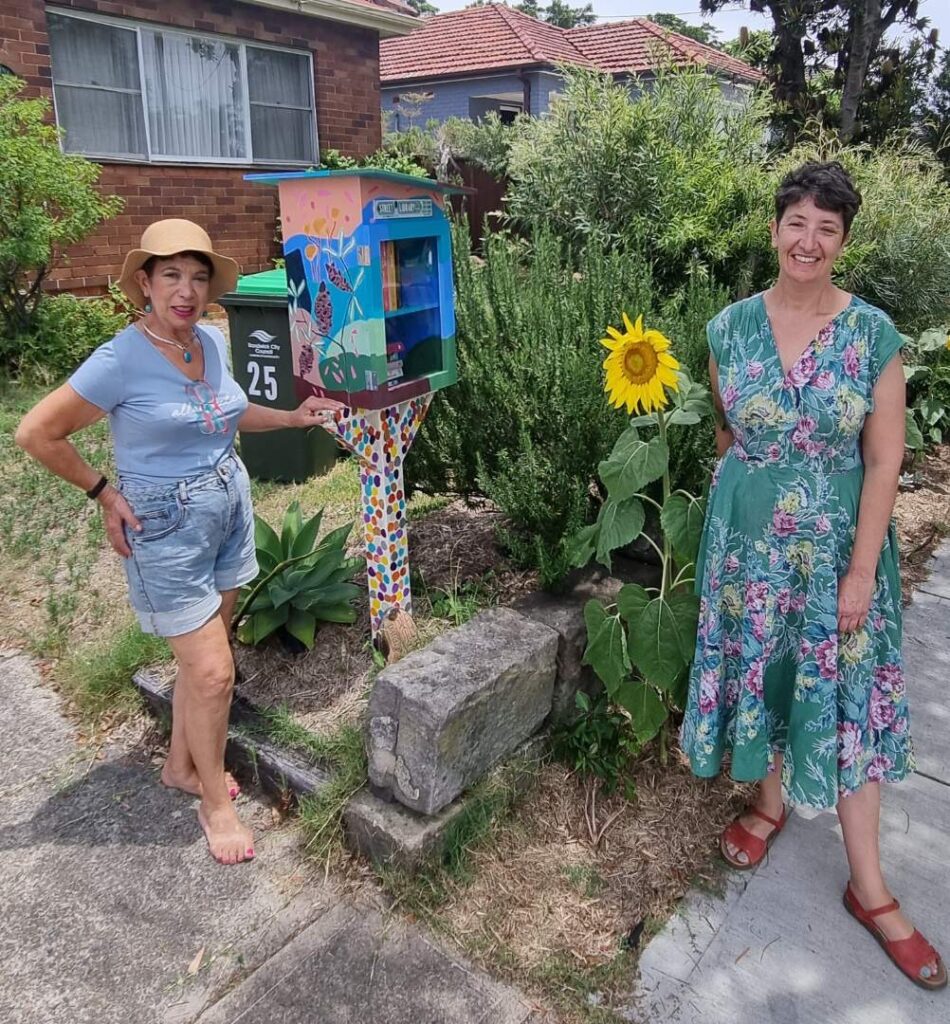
[466,63]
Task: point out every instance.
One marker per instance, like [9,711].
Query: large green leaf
[307,537]
[310,576]
[337,613]
[647,711]
[631,601]
[606,649]
[682,522]
[302,625]
[266,540]
[665,636]
[266,561]
[914,439]
[679,691]
[335,538]
[633,464]
[293,521]
[620,523]
[337,593]
[278,591]
[261,624]
[582,546]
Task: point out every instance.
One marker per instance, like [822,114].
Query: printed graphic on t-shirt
[204,402]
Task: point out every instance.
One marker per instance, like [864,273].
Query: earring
[148,307]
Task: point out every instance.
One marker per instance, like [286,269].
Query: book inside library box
[410,277]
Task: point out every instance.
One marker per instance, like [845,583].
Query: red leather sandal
[746,842]
[912,955]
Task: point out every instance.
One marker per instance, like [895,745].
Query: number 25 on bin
[269,381]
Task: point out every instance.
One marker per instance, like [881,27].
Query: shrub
[528,421]
[48,201]
[65,330]
[680,172]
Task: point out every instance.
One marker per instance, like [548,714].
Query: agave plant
[300,583]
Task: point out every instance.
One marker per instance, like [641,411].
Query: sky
[728,22]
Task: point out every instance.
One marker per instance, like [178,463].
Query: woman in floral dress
[798,671]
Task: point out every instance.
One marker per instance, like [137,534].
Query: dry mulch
[923,516]
[553,883]
[451,550]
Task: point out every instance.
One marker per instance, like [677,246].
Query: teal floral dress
[771,673]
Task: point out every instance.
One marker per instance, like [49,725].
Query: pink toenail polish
[250,853]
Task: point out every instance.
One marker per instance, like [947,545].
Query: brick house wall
[239,216]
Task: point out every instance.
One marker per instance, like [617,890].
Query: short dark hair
[828,184]
[149,265]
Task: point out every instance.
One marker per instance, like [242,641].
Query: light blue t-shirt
[165,427]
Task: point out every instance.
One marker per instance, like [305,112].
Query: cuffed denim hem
[229,579]
[180,621]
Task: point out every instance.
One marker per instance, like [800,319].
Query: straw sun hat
[168,238]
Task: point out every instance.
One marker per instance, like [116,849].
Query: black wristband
[94,492]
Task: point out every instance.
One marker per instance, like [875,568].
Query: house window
[134,91]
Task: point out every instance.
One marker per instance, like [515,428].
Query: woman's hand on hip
[855,591]
[314,412]
[116,513]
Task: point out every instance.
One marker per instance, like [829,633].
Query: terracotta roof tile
[494,37]
[639,45]
[474,39]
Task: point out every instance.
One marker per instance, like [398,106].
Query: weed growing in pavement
[98,679]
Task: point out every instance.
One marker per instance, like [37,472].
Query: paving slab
[927,664]
[783,950]
[107,887]
[777,946]
[354,966]
[109,895]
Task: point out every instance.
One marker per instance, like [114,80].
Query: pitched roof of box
[493,37]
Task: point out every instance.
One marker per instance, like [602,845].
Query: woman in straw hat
[180,512]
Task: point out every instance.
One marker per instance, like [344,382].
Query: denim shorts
[197,540]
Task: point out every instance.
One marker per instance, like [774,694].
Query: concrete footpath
[778,947]
[113,911]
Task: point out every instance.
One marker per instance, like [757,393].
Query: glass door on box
[410,274]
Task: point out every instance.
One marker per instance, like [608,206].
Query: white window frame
[137,26]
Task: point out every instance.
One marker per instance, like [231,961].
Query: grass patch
[421,504]
[51,535]
[337,492]
[341,752]
[487,804]
[99,681]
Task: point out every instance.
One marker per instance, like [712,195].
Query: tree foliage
[839,40]
[48,201]
[704,33]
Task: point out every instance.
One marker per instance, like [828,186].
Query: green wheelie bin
[263,366]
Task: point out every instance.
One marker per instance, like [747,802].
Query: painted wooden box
[369,274]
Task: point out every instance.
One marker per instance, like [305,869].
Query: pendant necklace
[186,352]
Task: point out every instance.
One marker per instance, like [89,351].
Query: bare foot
[754,824]
[229,840]
[190,783]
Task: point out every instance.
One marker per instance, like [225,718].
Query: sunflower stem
[666,555]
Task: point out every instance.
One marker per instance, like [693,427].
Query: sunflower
[639,367]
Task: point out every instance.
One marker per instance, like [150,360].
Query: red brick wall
[239,216]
